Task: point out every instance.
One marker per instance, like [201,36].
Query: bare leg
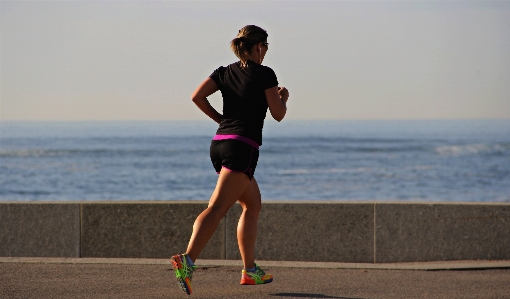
[230,186]
[250,200]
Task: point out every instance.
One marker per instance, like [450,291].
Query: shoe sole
[183,283]
[255,283]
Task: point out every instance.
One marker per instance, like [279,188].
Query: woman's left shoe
[183,272]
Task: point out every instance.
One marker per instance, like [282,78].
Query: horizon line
[292,120]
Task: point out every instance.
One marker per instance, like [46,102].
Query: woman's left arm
[199,97]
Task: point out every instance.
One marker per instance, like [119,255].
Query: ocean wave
[326,170]
[32,153]
[473,149]
[6,192]
[396,149]
[42,153]
[384,171]
[343,148]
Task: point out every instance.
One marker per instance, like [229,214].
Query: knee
[217,211]
[253,208]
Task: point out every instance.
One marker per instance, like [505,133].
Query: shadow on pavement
[305,295]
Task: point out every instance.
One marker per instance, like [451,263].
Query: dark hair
[247,37]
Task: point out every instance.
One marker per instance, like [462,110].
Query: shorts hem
[248,173]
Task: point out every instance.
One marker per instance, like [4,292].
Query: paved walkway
[154,278]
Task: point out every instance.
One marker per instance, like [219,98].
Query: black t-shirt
[244,100]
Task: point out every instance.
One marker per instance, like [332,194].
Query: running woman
[248,88]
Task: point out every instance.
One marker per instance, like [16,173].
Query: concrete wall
[363,232]
[144,230]
[439,232]
[39,229]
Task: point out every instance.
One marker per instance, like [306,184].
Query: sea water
[446,160]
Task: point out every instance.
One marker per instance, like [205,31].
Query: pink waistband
[237,137]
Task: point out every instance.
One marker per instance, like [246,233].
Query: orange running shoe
[257,277]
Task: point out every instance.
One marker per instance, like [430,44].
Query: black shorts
[234,155]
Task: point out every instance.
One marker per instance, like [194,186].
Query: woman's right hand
[199,97]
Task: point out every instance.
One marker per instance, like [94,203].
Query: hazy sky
[141,60]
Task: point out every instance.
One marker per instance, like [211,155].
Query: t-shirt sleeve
[269,79]
[216,76]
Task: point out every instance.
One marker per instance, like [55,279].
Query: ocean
[429,160]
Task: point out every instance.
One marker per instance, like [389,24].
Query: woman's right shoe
[257,277]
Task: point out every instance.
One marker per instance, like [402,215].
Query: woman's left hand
[283,93]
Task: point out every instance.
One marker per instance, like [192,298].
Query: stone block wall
[354,232]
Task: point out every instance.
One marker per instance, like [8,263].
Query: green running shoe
[183,272]
[257,277]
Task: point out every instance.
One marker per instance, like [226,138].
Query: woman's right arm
[277,101]
[199,97]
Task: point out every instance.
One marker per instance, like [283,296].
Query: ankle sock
[252,270]
[190,262]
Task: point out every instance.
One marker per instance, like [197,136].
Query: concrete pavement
[154,278]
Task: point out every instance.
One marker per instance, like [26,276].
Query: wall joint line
[375,236]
